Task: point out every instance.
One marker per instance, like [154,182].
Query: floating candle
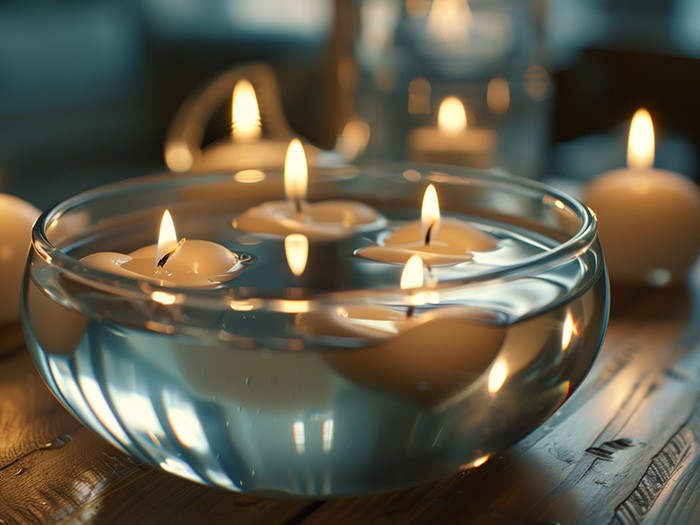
[439,241]
[648,219]
[318,221]
[186,263]
[428,357]
[16,220]
[452,141]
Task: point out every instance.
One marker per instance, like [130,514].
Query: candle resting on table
[428,357]
[648,219]
[16,220]
[185,263]
[320,221]
[438,241]
[258,140]
[453,141]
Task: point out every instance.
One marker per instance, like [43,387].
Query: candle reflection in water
[455,140]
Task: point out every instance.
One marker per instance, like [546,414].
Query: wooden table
[622,450]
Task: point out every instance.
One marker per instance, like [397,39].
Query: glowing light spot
[569,330]
[328,434]
[412,274]
[245,114]
[295,172]
[165,298]
[241,306]
[249,176]
[641,145]
[299,436]
[184,422]
[497,376]
[452,116]
[179,468]
[296,248]
[480,461]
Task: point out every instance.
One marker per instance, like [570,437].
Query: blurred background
[88,89]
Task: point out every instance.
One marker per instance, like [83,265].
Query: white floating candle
[648,219]
[428,357]
[186,263]
[16,220]
[319,221]
[438,241]
[452,141]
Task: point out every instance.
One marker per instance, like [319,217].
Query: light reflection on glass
[497,376]
[249,176]
[137,412]
[328,430]
[220,479]
[184,422]
[568,331]
[165,298]
[100,407]
[63,375]
[299,436]
[179,468]
[480,461]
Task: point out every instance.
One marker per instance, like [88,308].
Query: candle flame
[167,238]
[412,274]
[640,149]
[452,117]
[245,114]
[430,213]
[449,22]
[295,173]
[296,248]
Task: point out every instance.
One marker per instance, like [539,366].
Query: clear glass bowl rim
[135,289]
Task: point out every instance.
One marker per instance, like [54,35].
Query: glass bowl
[329,381]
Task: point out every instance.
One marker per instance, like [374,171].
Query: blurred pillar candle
[649,219]
[16,220]
[453,141]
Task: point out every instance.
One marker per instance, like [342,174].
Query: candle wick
[172,252]
[429,232]
[298,206]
